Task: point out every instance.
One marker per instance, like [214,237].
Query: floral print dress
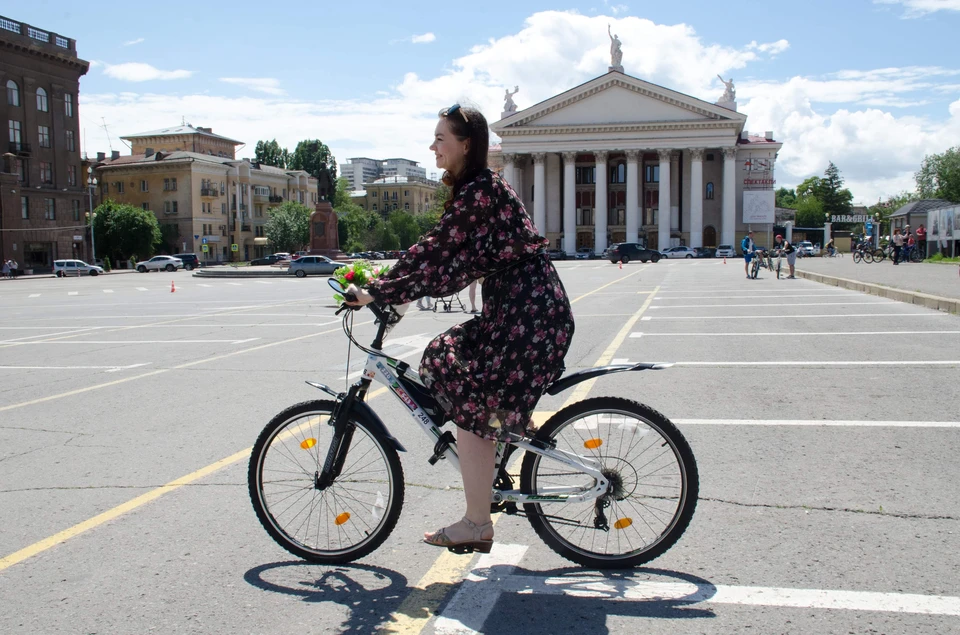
[489,372]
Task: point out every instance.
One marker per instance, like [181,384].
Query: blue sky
[873,85]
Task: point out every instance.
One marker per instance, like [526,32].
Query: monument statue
[730,93]
[508,104]
[616,55]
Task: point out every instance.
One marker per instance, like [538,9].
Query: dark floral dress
[489,372]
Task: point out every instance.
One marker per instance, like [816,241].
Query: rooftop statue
[616,55]
[730,93]
[508,104]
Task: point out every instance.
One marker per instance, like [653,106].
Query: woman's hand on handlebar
[361,297]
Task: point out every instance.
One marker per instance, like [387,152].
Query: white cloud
[266,85]
[847,116]
[132,42]
[615,9]
[139,72]
[919,8]
[425,38]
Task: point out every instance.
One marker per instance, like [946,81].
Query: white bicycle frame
[381,369]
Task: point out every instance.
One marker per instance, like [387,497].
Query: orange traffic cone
[724,260]
[621,264]
[173,287]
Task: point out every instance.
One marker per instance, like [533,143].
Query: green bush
[106,263]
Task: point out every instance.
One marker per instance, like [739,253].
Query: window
[169,185]
[261,190]
[143,186]
[222,189]
[709,156]
[145,207]
[651,174]
[71,141]
[585,217]
[585,175]
[394,196]
[406,206]
[68,104]
[223,208]
[618,173]
[374,207]
[75,204]
[258,211]
[49,209]
[71,175]
[13,93]
[14,129]
[709,193]
[24,207]
[42,105]
[43,134]
[46,172]
[406,193]
[386,196]
[119,185]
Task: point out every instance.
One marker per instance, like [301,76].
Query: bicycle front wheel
[652,472]
[879,255]
[338,523]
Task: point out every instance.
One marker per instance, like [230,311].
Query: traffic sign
[204,241]
[234,247]
[204,248]
[196,236]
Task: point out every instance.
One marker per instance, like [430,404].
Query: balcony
[209,191]
[276,199]
[18,147]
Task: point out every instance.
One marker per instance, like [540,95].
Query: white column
[696,197]
[540,193]
[728,222]
[675,191]
[633,185]
[600,209]
[509,173]
[569,202]
[663,207]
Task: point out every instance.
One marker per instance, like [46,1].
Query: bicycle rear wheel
[652,472]
[879,255]
[857,257]
[339,523]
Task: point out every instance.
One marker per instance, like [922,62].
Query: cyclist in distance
[489,372]
[747,246]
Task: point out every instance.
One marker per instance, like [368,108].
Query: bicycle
[831,252]
[863,253]
[326,481]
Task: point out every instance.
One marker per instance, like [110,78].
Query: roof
[179,155]
[180,130]
[923,205]
[756,140]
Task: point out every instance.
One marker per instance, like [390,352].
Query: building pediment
[617,101]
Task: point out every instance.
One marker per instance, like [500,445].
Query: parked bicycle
[863,253]
[606,482]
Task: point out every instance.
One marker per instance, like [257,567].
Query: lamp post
[91,184]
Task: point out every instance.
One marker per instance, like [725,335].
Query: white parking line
[200,284]
[769,306]
[235,284]
[109,369]
[80,342]
[108,290]
[817,422]
[812,315]
[793,334]
[34,295]
[141,288]
[73,293]
[792,362]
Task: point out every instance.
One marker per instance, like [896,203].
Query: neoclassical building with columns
[618,159]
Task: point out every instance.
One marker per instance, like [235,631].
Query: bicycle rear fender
[365,411]
[575,378]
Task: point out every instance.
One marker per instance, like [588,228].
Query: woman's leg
[472,293]
[477,458]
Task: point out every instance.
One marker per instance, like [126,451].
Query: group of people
[904,242]
[749,249]
[10,268]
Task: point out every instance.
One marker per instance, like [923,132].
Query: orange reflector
[592,444]
[306,444]
[623,523]
[342,518]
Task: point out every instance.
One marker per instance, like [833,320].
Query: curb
[948,305]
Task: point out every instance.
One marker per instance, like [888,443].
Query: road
[824,423]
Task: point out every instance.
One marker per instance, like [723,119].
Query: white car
[726,251]
[62,268]
[806,248]
[679,252]
[160,263]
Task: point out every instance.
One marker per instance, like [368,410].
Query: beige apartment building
[412,194]
[191,179]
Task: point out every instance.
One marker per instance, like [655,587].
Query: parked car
[62,268]
[282,255]
[806,248]
[679,252]
[299,254]
[557,254]
[313,265]
[625,252]
[160,263]
[585,253]
[726,251]
[706,252]
[190,261]
[265,260]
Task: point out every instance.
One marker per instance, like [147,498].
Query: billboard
[758,206]
[942,225]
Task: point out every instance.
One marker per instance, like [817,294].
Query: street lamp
[91,184]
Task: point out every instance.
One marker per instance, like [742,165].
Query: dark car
[557,254]
[190,261]
[625,252]
[706,252]
[266,260]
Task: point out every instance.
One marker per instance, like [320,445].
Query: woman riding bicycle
[489,372]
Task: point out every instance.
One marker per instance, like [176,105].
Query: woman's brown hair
[466,123]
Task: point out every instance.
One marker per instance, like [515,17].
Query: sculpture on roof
[508,105]
[616,55]
[730,93]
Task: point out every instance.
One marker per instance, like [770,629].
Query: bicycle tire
[857,257]
[669,474]
[879,255]
[351,517]
[915,256]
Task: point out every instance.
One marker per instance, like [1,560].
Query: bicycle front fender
[366,412]
[575,378]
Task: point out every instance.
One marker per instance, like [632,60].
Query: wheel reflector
[623,523]
[306,444]
[592,444]
[344,517]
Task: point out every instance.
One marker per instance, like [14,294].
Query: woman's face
[451,152]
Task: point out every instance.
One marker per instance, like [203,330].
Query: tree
[810,212]
[939,176]
[404,227]
[124,231]
[270,153]
[313,156]
[786,198]
[836,199]
[170,237]
[289,226]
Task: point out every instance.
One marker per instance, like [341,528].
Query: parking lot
[824,423]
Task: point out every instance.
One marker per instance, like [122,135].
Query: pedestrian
[747,246]
[921,239]
[13,269]
[472,294]
[489,372]
[788,250]
[6,268]
[897,245]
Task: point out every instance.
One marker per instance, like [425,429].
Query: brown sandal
[440,539]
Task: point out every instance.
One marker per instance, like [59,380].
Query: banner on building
[942,224]
[758,206]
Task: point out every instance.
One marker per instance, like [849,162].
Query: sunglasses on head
[446,112]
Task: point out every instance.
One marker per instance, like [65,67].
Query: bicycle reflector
[306,444]
[592,444]
[623,523]
[345,516]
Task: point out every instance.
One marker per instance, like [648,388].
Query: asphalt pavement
[823,420]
